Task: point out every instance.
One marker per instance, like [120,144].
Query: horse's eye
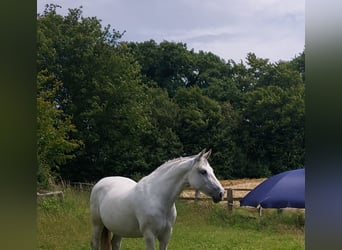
[203,172]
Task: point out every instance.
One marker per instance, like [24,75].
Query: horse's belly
[117,211]
[122,224]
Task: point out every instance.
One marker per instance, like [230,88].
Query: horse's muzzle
[218,197]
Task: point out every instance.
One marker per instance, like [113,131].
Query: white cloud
[270,28]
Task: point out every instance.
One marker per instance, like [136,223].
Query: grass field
[64,224]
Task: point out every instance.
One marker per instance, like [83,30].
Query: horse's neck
[167,186]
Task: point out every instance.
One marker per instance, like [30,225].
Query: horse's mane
[170,164]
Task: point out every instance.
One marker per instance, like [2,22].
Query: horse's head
[202,177]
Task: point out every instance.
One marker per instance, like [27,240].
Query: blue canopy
[283,190]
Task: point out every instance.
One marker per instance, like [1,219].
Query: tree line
[109,107]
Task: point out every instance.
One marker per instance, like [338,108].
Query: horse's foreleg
[164,239]
[150,240]
[116,242]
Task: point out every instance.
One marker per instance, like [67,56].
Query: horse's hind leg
[96,236]
[116,242]
[97,229]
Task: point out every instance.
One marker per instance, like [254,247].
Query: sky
[272,29]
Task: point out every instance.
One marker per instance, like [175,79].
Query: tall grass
[64,224]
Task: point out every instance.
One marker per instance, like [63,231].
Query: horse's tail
[105,239]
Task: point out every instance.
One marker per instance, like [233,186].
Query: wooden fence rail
[58,193]
[230,198]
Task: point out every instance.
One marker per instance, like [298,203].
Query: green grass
[64,224]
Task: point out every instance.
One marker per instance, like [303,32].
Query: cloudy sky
[273,29]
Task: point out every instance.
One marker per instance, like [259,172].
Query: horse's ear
[207,154]
[200,155]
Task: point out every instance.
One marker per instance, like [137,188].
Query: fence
[82,186]
[60,194]
[230,198]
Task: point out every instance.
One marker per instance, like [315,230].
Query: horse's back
[108,185]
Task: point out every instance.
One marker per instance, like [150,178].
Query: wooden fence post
[197,195]
[230,200]
[260,210]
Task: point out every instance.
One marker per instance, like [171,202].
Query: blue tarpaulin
[283,190]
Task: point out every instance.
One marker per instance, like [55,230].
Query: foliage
[123,108]
[54,145]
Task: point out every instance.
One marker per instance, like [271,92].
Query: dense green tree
[204,123]
[224,158]
[272,130]
[55,146]
[208,68]
[102,91]
[162,142]
[167,64]
[132,106]
[259,72]
[298,64]
[197,118]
